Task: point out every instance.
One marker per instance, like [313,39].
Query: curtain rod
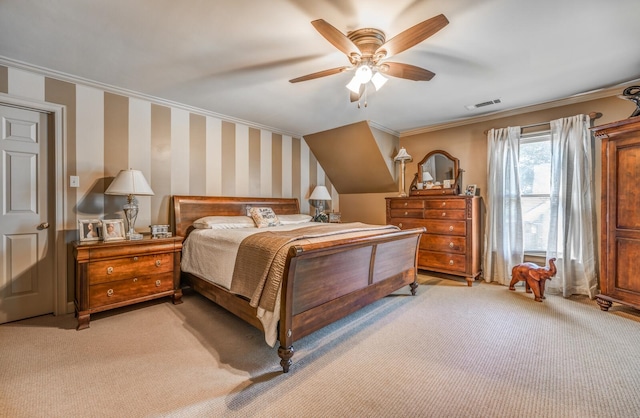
[592,116]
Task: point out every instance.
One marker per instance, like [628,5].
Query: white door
[26,248]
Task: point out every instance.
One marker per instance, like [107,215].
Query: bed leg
[285,354]
[413,287]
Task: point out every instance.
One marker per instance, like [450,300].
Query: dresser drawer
[431,242]
[444,214]
[406,204]
[445,204]
[407,213]
[123,290]
[129,267]
[458,228]
[442,261]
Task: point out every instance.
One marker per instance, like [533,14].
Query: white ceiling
[234,57]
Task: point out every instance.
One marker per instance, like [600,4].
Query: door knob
[43,225]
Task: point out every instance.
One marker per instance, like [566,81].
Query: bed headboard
[187,209]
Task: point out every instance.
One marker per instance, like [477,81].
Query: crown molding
[59,75]
[577,98]
[383,128]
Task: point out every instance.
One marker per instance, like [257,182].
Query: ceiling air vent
[483,104]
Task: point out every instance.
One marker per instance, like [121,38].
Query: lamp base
[131,213]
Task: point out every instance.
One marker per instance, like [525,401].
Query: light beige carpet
[450,351]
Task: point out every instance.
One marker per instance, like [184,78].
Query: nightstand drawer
[129,267]
[123,290]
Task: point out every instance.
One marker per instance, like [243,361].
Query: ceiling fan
[367,50]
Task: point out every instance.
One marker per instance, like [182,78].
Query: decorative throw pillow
[294,219]
[224,222]
[264,217]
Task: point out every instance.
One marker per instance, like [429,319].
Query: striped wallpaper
[179,151]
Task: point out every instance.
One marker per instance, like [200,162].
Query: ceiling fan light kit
[367,49]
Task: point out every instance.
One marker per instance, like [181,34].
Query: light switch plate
[74,181]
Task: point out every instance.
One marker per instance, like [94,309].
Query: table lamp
[427,179]
[130,183]
[320,194]
[402,157]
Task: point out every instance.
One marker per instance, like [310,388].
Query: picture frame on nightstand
[89,230]
[113,229]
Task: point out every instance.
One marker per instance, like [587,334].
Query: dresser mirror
[438,173]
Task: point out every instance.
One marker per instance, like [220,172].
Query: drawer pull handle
[110,292]
[109,270]
[135,258]
[451,228]
[444,213]
[451,262]
[444,204]
[400,224]
[406,213]
[158,262]
[157,283]
[451,245]
[406,203]
[135,279]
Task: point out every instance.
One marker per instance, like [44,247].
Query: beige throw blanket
[261,259]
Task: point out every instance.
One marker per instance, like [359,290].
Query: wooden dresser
[118,273]
[451,243]
[620,241]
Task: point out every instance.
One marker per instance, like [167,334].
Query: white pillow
[298,218]
[264,217]
[224,222]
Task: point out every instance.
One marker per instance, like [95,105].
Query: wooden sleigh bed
[322,282]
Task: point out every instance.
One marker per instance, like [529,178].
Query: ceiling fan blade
[410,72]
[336,38]
[412,36]
[319,74]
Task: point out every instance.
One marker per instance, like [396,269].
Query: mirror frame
[455,187]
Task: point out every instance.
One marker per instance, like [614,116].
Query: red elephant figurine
[533,276]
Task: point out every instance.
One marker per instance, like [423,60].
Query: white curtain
[572,226]
[504,242]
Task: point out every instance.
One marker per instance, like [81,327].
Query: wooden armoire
[620,250]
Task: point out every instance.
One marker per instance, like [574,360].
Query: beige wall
[469,144]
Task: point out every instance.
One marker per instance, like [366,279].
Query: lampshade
[402,155]
[354,85]
[426,176]
[130,182]
[363,74]
[320,193]
[378,80]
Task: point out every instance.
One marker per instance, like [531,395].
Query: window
[535,189]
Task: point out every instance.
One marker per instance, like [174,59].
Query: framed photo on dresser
[471,190]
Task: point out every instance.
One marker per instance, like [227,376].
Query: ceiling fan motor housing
[368,40]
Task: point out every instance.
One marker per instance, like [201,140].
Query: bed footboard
[324,283]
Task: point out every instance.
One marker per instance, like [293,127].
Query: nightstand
[118,273]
